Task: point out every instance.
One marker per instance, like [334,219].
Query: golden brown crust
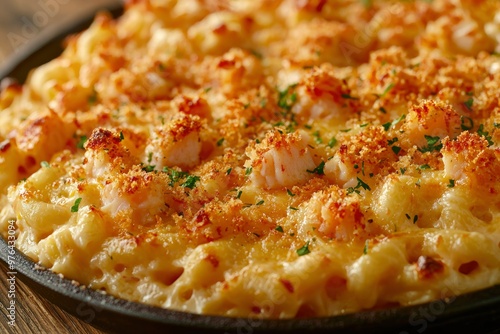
[268,159]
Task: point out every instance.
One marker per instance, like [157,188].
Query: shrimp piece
[177,143]
[319,95]
[281,160]
[468,159]
[138,193]
[334,215]
[431,118]
[362,154]
[105,153]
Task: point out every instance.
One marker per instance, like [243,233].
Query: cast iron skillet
[478,311]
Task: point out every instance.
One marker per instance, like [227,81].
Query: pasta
[272,159]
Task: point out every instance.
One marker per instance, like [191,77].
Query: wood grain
[34,314]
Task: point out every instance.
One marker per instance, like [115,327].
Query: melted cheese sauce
[271,159]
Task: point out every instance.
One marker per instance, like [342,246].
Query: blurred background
[28,21]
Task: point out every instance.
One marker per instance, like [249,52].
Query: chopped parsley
[387,126]
[451,183]
[433,144]
[248,171]
[260,202]
[360,184]
[317,137]
[382,110]
[293,208]
[92,99]
[319,169]
[220,142]
[396,149]
[289,192]
[121,136]
[304,250]
[468,104]
[365,249]
[332,142]
[349,97]
[148,168]
[485,134]
[238,195]
[191,181]
[392,141]
[76,206]
[81,142]
[286,99]
[403,171]
[177,176]
[229,171]
[422,167]
[466,123]
[387,90]
[45,164]
[279,229]
[415,219]
[402,117]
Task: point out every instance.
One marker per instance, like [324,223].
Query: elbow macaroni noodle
[277,159]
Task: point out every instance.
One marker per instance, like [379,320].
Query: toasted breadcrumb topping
[272,159]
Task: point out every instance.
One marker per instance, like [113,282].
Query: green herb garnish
[433,144]
[81,142]
[191,181]
[76,206]
[318,170]
[466,123]
[332,142]
[360,184]
[304,250]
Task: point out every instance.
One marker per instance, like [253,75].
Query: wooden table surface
[21,23]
